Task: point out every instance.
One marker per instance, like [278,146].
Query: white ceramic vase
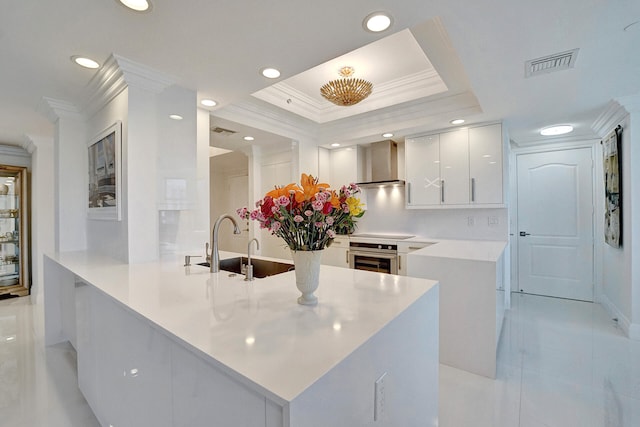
[307,275]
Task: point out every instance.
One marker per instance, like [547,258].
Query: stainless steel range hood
[382,165]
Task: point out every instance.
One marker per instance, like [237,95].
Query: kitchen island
[472,298]
[166,345]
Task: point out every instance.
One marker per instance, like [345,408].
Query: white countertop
[474,250]
[255,331]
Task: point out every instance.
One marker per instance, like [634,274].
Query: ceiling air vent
[222,131]
[551,63]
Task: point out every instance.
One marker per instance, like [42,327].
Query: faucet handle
[187,259]
[206,252]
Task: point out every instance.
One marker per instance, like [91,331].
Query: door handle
[442,191]
[524,233]
[473,189]
[408,192]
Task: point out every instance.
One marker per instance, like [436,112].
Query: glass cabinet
[14,235]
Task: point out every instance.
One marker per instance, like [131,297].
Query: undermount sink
[261,268]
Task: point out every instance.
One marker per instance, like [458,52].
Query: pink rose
[308,212]
[298,218]
[331,234]
[329,220]
[317,205]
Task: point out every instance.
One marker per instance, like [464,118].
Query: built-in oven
[379,257]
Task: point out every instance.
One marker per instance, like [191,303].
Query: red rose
[326,209]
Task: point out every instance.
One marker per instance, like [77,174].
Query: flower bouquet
[306,217]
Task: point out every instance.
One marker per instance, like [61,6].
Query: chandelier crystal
[347,90]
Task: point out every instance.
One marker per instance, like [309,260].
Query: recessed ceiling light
[137,5]
[556,130]
[457,121]
[387,135]
[208,103]
[377,22]
[270,73]
[175,117]
[335,144]
[85,62]
[248,138]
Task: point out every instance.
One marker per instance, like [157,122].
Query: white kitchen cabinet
[345,167]
[485,164]
[205,396]
[124,364]
[338,253]
[454,167]
[461,168]
[422,169]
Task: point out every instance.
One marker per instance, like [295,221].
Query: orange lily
[283,191]
[310,187]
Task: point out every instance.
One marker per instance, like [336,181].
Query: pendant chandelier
[347,90]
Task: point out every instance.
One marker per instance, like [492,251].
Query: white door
[555,224]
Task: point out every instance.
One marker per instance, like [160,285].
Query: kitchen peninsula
[166,345]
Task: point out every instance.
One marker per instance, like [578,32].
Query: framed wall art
[611,149]
[104,195]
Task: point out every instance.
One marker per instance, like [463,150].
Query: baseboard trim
[627,327]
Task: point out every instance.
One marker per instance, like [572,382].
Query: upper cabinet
[462,168]
[485,164]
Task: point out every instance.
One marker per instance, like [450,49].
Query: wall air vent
[222,131]
[551,63]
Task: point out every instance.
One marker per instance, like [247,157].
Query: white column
[70,170]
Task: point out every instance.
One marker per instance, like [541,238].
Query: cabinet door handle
[473,189]
[442,190]
[347,260]
[408,192]
[399,263]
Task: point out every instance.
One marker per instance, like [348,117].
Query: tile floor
[561,363]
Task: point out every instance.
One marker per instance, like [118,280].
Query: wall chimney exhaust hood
[382,165]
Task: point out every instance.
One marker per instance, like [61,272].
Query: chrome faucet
[215,255]
[248,274]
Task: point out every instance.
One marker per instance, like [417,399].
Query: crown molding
[116,75]
[612,115]
[15,151]
[55,109]
[270,119]
[407,88]
[28,144]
